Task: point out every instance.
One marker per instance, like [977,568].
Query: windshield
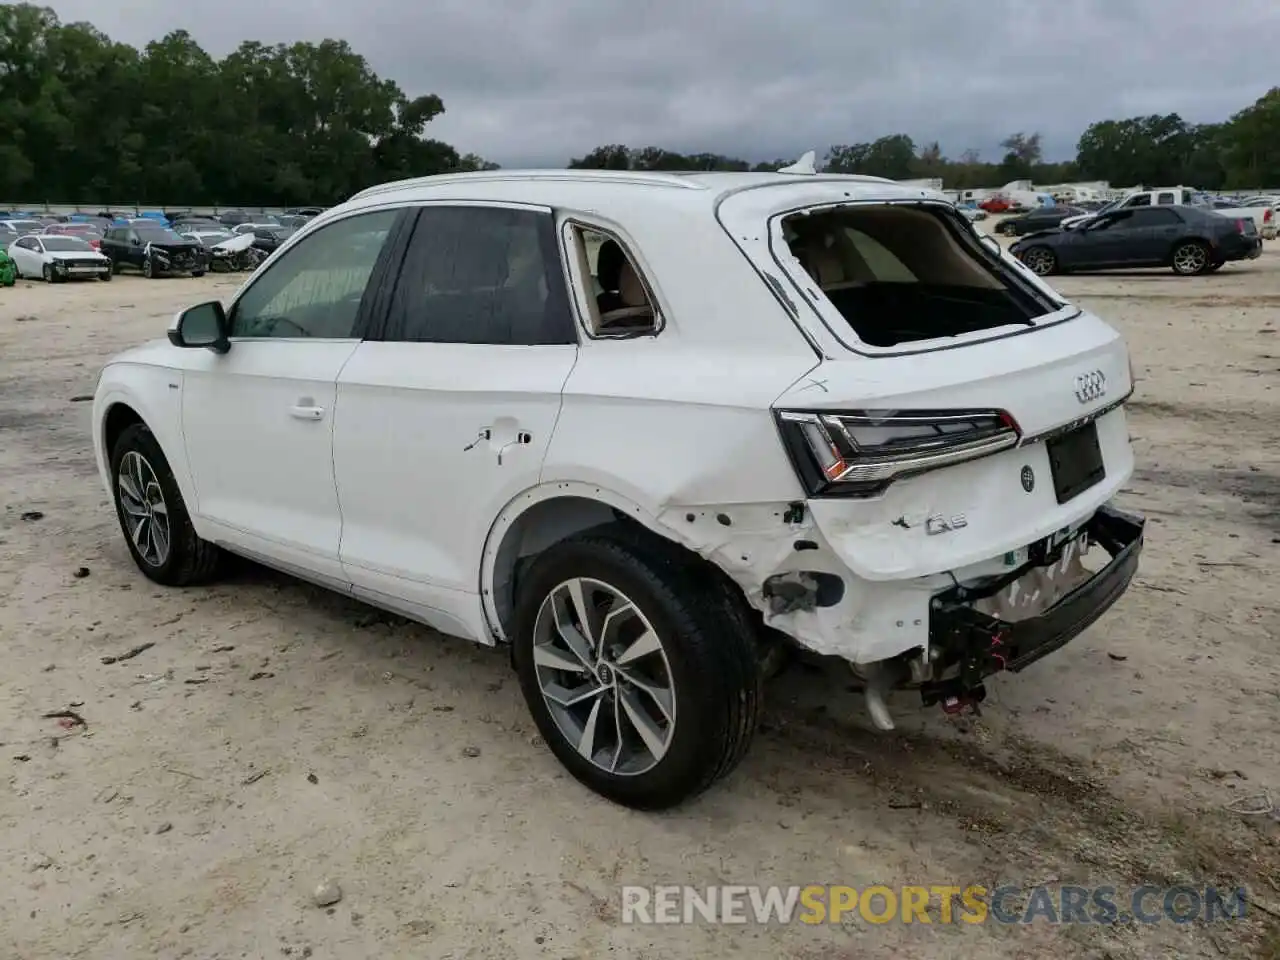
[158,235]
[66,244]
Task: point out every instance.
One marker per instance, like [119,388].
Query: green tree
[1251,144]
[83,118]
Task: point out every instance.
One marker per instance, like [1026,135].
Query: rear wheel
[1040,260]
[638,665]
[153,516]
[1190,258]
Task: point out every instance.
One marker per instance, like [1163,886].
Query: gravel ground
[273,736]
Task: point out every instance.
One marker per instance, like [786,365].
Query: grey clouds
[536,83]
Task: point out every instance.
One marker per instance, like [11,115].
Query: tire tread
[713,622]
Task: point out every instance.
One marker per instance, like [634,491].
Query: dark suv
[155,250]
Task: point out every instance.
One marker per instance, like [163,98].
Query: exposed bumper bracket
[982,645]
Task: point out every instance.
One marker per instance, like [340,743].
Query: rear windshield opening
[901,274]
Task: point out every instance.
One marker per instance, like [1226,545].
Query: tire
[197,274]
[186,559]
[148,270]
[106,276]
[1041,260]
[1190,259]
[705,659]
[48,274]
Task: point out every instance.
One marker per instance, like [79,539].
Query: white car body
[415,475]
[34,252]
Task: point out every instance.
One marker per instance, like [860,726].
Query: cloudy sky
[536,82]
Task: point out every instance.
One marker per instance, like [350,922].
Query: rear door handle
[302,412]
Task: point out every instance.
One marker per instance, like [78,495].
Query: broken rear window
[900,274]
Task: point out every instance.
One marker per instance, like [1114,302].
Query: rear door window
[481,274]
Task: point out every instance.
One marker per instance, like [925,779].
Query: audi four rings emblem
[1091,386]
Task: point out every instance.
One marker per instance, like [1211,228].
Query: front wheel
[153,516]
[638,665]
[148,269]
[48,274]
[1040,260]
[1190,258]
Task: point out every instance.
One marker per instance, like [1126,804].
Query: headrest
[630,289]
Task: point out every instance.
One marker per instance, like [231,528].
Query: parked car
[1263,215]
[802,409]
[995,204]
[252,226]
[267,239]
[88,232]
[227,251]
[153,249]
[1042,218]
[231,218]
[56,259]
[11,229]
[188,224]
[1188,239]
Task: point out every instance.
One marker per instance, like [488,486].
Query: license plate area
[1075,461]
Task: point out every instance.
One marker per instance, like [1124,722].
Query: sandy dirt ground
[276,735]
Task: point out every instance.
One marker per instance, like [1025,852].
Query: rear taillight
[860,453]
[1240,228]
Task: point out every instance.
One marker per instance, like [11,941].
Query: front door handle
[304,412]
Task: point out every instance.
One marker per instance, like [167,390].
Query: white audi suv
[648,429]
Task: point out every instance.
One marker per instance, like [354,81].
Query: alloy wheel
[145,512]
[604,675]
[1040,261]
[1191,258]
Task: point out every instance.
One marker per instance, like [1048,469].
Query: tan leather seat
[635,309]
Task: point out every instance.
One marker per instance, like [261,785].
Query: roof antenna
[804,165]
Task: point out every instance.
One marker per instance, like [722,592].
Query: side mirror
[135,241]
[204,325]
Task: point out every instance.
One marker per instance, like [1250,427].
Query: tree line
[85,119]
[1240,153]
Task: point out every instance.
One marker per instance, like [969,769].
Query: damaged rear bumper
[973,645]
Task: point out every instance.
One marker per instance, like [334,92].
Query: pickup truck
[153,249]
[1263,215]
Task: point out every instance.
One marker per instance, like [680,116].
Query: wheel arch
[150,395]
[542,516]
[1184,239]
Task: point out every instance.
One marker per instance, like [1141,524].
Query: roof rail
[637,177]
